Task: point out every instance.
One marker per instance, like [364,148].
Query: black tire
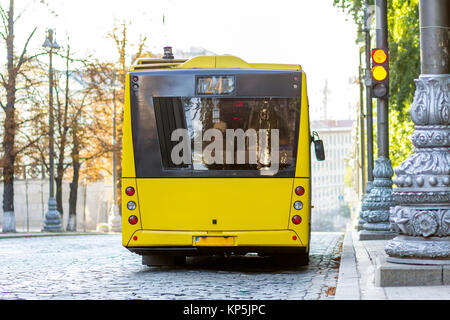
[162,260]
[291,260]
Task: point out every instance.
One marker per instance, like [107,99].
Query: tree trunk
[8,171]
[64,128]
[72,222]
[9,156]
[58,182]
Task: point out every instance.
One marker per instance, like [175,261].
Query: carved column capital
[431,100]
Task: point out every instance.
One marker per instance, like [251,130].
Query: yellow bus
[216,160]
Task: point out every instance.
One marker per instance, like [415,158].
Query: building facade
[330,196]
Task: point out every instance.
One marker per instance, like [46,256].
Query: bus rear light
[131,205]
[294,238]
[300,191]
[130,191]
[133,220]
[135,238]
[296,220]
[298,205]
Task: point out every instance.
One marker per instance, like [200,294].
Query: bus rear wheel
[160,260]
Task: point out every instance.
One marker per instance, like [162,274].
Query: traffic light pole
[377,203]
[369,118]
[422,216]
[383,103]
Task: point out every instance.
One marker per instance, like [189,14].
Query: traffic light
[380,73]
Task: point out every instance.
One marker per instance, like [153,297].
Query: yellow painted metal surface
[127,229]
[152,238]
[232,204]
[293,67]
[128,168]
[303,229]
[303,168]
[208,62]
[232,62]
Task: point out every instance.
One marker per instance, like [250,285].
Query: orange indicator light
[379,56]
[379,73]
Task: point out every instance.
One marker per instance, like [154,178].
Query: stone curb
[348,281]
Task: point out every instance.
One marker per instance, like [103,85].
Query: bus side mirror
[318,147]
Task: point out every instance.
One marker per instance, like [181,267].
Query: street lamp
[52,221]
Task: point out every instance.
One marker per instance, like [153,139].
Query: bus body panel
[128,168]
[156,239]
[302,229]
[214,204]
[303,167]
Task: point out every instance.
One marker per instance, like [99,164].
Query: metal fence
[31,192]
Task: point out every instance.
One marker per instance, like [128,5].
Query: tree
[67,114]
[9,82]
[404,59]
[123,47]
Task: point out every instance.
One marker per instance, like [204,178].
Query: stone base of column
[419,250]
[376,235]
[398,274]
[376,204]
[360,225]
[361,221]
[379,226]
[52,221]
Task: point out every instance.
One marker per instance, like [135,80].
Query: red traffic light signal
[380,73]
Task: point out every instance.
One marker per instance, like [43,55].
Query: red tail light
[133,220]
[130,191]
[296,220]
[300,191]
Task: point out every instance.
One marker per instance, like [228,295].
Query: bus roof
[208,62]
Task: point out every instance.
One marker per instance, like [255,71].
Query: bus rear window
[201,134]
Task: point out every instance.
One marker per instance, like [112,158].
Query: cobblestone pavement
[97,267]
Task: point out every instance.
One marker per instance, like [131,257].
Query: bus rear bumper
[198,243]
[199,251]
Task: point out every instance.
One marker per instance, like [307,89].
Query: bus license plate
[214,241]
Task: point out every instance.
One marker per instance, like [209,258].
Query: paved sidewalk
[50,234]
[357,275]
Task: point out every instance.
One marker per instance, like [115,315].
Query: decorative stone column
[377,203]
[361,221]
[422,216]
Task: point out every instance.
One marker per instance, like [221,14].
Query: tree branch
[22,56]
